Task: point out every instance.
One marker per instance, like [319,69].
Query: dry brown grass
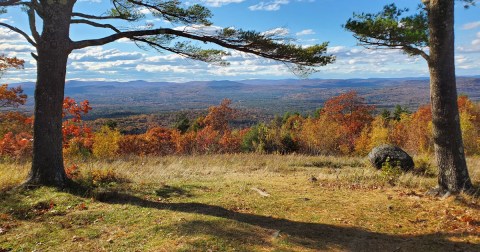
[202,203]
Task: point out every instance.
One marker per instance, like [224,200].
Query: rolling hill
[269,97]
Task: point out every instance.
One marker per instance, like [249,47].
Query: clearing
[243,202]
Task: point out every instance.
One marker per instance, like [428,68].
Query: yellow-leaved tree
[105,143]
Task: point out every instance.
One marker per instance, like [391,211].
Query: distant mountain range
[113,99]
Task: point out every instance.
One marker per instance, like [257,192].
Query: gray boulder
[397,157]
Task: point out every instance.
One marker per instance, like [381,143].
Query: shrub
[72,171]
[159,142]
[390,172]
[251,139]
[207,140]
[17,146]
[78,147]
[100,178]
[184,143]
[424,167]
[131,145]
[104,176]
[231,142]
[106,142]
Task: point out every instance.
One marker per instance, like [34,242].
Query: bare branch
[120,35]
[87,16]
[15,29]
[94,24]
[32,24]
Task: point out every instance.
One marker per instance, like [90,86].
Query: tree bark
[53,48]
[449,152]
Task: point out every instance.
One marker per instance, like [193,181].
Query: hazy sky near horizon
[307,21]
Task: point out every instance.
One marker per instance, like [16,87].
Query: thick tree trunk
[53,50]
[449,152]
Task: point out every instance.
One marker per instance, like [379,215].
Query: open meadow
[237,202]
[170,125]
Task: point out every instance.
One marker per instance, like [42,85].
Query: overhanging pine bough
[433,26]
[53,45]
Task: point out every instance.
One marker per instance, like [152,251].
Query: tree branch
[165,31]
[149,6]
[269,50]
[156,45]
[417,51]
[15,29]
[94,24]
[87,16]
[369,44]
[32,24]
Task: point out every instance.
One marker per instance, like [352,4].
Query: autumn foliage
[15,136]
[7,63]
[77,136]
[16,128]
[346,125]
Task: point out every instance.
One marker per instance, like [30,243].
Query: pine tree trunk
[53,50]
[449,152]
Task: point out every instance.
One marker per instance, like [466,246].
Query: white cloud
[305,32]
[9,36]
[125,40]
[97,54]
[460,59]
[476,42]
[470,26]
[163,58]
[145,11]
[16,48]
[269,6]
[357,62]
[200,29]
[474,46]
[464,62]
[164,68]
[277,31]
[219,3]
[104,66]
[336,49]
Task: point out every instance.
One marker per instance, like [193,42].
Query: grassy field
[242,202]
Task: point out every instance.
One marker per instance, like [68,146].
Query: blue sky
[307,21]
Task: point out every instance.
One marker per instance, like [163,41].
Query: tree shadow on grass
[309,235]
[219,235]
[167,191]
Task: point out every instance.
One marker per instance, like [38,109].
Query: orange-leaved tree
[15,137]
[352,114]
[77,136]
[13,121]
[219,116]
